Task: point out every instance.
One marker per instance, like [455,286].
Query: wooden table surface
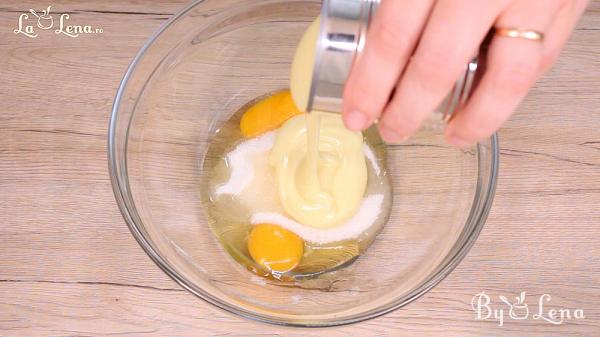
[70,267]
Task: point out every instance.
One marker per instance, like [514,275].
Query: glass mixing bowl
[192,75]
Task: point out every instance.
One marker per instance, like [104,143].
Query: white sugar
[241,165]
[371,157]
[365,217]
[256,188]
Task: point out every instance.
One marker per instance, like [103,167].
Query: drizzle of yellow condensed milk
[320,165]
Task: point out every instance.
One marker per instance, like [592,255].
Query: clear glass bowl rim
[119,186]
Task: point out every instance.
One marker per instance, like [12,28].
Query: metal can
[342,36]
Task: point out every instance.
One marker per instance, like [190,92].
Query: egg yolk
[275,248]
[268,114]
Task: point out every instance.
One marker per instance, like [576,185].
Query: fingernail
[356,120]
[458,142]
[391,136]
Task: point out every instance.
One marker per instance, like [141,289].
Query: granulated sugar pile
[252,181]
[241,164]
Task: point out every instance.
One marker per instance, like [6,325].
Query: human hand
[416,49]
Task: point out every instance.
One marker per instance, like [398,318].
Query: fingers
[390,41]
[513,66]
[559,32]
[452,36]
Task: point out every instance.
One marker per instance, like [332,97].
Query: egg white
[253,182]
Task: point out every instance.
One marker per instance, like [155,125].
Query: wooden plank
[69,266]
